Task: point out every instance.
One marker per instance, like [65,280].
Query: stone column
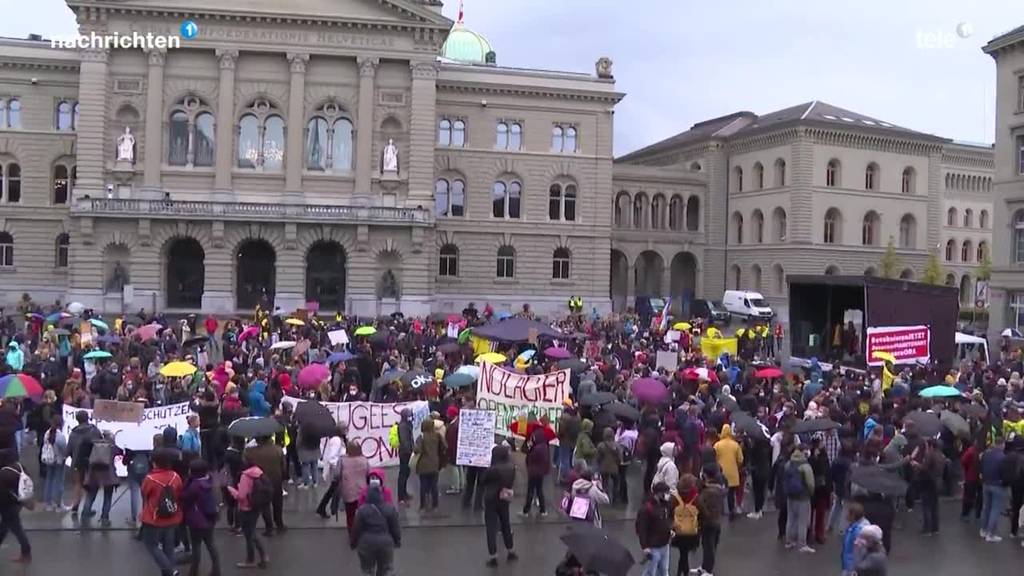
[630,285]
[91,150]
[296,123]
[420,165]
[364,125]
[225,135]
[154,122]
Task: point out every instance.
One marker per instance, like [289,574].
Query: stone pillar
[225,135]
[296,123]
[630,285]
[364,125]
[154,121]
[420,165]
[91,150]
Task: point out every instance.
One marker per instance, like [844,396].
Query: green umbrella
[464,335]
[97,355]
[99,324]
[365,331]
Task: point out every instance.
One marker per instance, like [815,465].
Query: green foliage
[933,270]
[890,261]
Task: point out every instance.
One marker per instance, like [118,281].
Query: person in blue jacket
[855,514]
[258,405]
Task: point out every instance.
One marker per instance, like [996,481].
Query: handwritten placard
[476,438]
[668,360]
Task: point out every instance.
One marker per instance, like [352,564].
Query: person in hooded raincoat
[15,357]
[729,456]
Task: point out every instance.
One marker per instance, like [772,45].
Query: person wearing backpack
[685,522]
[798,485]
[711,505]
[15,492]
[199,506]
[52,455]
[376,533]
[254,494]
[432,450]
[161,511]
[100,475]
[538,466]
[79,447]
[654,522]
[406,445]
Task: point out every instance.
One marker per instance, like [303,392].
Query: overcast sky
[915,63]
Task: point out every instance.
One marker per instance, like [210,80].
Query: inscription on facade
[303,37]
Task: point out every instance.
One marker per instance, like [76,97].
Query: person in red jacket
[971,464]
[161,510]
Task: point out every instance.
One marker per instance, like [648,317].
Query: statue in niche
[389,285]
[390,160]
[126,146]
[118,278]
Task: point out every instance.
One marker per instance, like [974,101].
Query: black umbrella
[816,425]
[416,379]
[596,550]
[956,423]
[254,427]
[597,399]
[604,419]
[878,480]
[196,341]
[315,419]
[746,424]
[573,364]
[927,424]
[449,347]
[388,378]
[729,403]
[623,410]
[974,410]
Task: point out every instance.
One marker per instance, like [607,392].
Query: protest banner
[338,337]
[714,347]
[907,344]
[369,424]
[509,394]
[668,360]
[113,411]
[134,435]
[476,437]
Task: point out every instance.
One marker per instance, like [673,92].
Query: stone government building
[372,156]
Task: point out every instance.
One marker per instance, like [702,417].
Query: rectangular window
[506,267]
[1020,93]
[62,256]
[1020,155]
[1017,310]
[560,269]
[6,255]
[448,266]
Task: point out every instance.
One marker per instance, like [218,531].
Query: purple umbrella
[557,353]
[649,390]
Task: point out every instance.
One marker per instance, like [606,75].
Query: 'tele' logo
[189,29]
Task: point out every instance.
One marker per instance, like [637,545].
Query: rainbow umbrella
[57,317]
[20,386]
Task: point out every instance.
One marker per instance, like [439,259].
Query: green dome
[465,46]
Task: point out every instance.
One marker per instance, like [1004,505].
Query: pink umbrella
[148,332]
[557,353]
[768,373]
[649,390]
[248,333]
[311,376]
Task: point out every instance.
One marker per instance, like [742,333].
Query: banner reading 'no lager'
[510,394]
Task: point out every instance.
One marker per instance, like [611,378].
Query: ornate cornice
[963,159]
[568,94]
[766,140]
[94,54]
[426,70]
[871,141]
[39,65]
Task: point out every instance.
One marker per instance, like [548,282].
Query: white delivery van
[747,304]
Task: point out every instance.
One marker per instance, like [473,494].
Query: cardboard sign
[908,344]
[85,332]
[668,360]
[113,411]
[338,337]
[476,438]
[510,394]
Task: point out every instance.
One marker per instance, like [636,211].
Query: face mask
[374,481]
[353,391]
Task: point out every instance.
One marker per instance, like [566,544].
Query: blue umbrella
[110,339]
[99,324]
[97,355]
[503,315]
[341,357]
[940,391]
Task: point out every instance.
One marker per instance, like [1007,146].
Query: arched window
[780,279]
[1018,237]
[907,181]
[983,219]
[950,279]
[10,113]
[758,219]
[870,229]
[758,175]
[832,270]
[965,289]
[832,173]
[316,144]
[570,140]
[62,183]
[736,277]
[657,212]
[982,251]
[60,254]
[506,262]
[779,224]
[951,217]
[560,264]
[780,172]
[871,177]
[557,138]
[966,251]
[6,250]
[261,142]
[458,133]
[908,231]
[444,132]
[621,209]
[502,136]
[737,179]
[341,145]
[562,202]
[950,249]
[190,133]
[448,261]
[639,211]
[968,218]
[506,198]
[693,214]
[907,274]
[509,135]
[65,114]
[676,213]
[10,183]
[737,227]
[832,227]
[329,140]
[755,277]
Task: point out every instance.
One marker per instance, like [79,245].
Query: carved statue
[118,278]
[126,146]
[604,68]
[390,161]
[389,285]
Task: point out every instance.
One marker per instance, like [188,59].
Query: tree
[890,261]
[985,267]
[933,269]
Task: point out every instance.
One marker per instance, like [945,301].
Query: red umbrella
[768,373]
[248,332]
[649,390]
[311,376]
[148,332]
[557,353]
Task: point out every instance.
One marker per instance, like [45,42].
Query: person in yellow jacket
[888,376]
[729,456]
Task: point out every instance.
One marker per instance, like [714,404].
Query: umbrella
[97,355]
[20,386]
[56,317]
[956,423]
[557,353]
[99,324]
[491,357]
[178,369]
[1011,333]
[283,345]
[464,335]
[315,419]
[974,410]
[148,332]
[294,322]
[311,376]
[649,390]
[768,373]
[604,419]
[883,356]
[458,380]
[730,403]
[927,423]
[343,356]
[62,332]
[387,378]
[815,425]
[473,371]
[699,374]
[449,347]
[622,410]
[110,339]
[195,341]
[596,550]
[365,331]
[526,356]
[35,316]
[516,330]
[940,391]
[76,308]
[746,424]
[597,399]
[248,333]
[682,326]
[254,427]
[878,480]
[416,379]
[574,364]
[503,315]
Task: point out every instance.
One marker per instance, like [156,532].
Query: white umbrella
[1011,333]
[473,371]
[283,345]
[76,308]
